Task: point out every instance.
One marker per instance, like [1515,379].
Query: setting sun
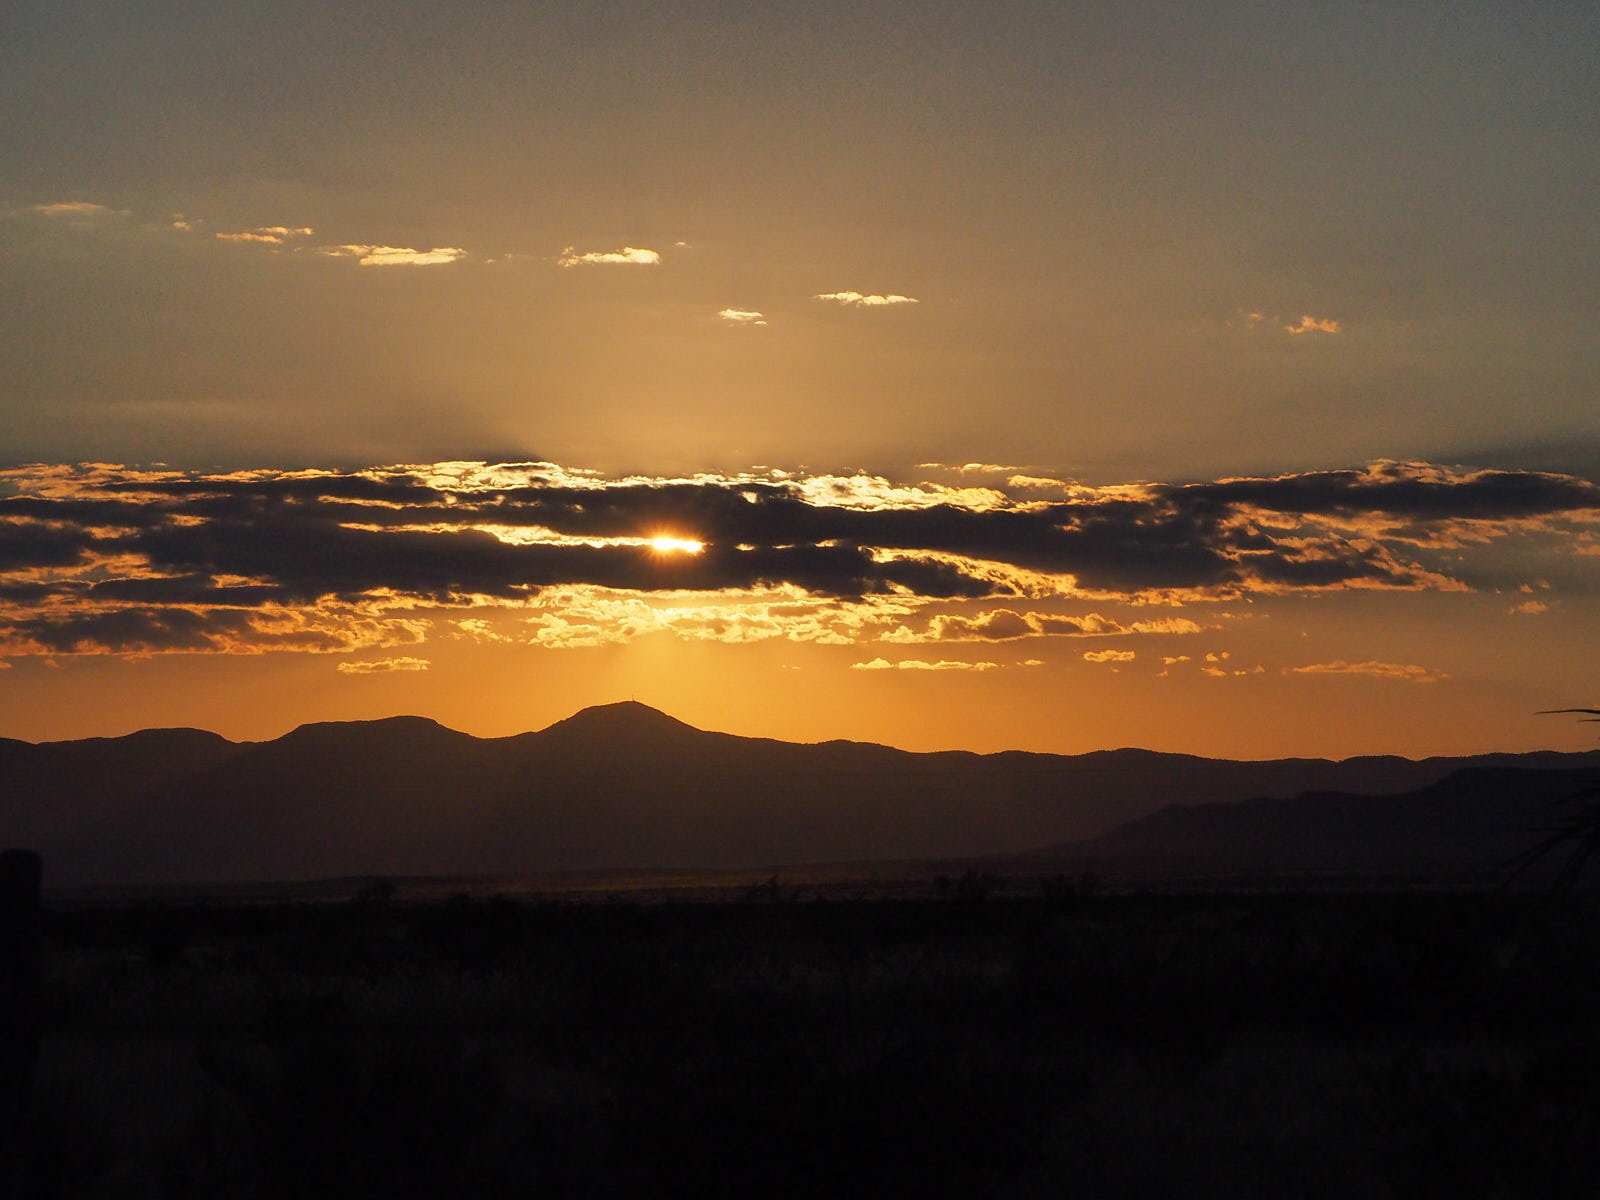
[667,545]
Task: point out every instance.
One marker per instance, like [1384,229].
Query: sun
[668,545]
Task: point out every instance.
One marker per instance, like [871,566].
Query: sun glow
[667,545]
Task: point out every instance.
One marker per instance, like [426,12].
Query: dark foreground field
[777,1044]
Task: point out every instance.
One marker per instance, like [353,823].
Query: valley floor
[784,1044]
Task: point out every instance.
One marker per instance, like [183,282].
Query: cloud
[628,256]
[108,559]
[1310,324]
[863,300]
[1529,608]
[572,618]
[1004,624]
[913,664]
[150,629]
[82,209]
[1108,656]
[394,256]
[376,666]
[268,235]
[1407,672]
[742,316]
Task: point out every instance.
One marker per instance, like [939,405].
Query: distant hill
[616,786]
[1474,821]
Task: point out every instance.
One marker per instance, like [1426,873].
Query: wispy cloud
[628,256]
[915,664]
[77,208]
[742,316]
[1109,656]
[380,666]
[1255,319]
[1406,672]
[394,256]
[1310,324]
[864,300]
[1004,624]
[268,235]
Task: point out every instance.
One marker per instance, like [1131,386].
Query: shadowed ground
[785,1045]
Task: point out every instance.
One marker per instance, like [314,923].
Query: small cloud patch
[394,256]
[265,235]
[1406,672]
[742,316]
[916,664]
[1310,324]
[379,666]
[1108,656]
[864,300]
[78,208]
[628,256]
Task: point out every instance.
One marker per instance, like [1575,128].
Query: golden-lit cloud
[1253,320]
[1109,656]
[1004,624]
[1406,672]
[914,664]
[266,235]
[864,491]
[628,256]
[573,618]
[1310,324]
[394,256]
[383,666]
[742,316]
[82,209]
[865,300]
[97,558]
[1529,608]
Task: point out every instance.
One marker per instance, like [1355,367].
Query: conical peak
[623,717]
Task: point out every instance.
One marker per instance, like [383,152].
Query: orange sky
[1399,609]
[1035,375]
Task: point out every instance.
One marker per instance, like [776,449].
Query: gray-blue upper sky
[1110,220]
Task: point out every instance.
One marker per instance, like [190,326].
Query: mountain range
[624,786]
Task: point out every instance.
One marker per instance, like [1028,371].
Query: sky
[1217,378]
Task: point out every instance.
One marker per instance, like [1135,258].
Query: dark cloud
[1398,492]
[24,544]
[133,630]
[138,560]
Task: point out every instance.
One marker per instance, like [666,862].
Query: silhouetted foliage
[1578,833]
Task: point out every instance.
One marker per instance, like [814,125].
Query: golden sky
[1001,375]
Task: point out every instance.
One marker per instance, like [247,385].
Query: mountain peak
[625,717]
[381,728]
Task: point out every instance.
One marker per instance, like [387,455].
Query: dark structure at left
[20,875]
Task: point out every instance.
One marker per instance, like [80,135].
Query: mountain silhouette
[1473,821]
[627,786]
[626,720]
